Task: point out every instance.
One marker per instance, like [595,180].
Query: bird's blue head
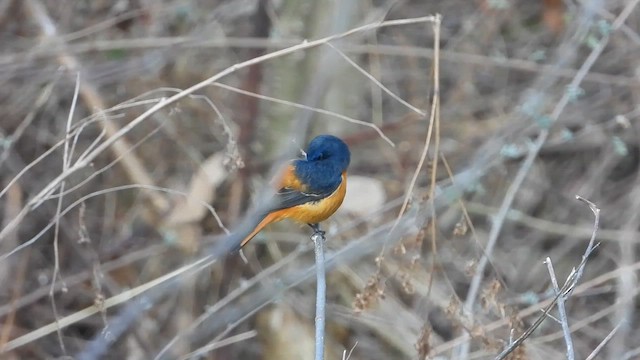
[327,158]
[329,149]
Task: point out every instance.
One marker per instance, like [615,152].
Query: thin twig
[604,341]
[218,344]
[377,82]
[435,111]
[321,292]
[592,319]
[564,321]
[301,106]
[427,140]
[592,243]
[347,355]
[66,156]
[569,285]
[514,344]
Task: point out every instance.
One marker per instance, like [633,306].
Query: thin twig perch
[321,290]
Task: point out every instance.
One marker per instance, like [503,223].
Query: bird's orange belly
[317,211]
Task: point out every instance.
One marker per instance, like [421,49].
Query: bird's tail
[269,219]
[250,227]
[253,232]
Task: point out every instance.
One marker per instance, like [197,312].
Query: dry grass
[135,132]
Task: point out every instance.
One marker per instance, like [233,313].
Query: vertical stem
[321,290]
[564,319]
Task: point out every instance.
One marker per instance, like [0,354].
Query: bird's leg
[316,229]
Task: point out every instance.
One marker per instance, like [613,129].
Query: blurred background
[466,160]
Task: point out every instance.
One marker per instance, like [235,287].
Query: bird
[309,189]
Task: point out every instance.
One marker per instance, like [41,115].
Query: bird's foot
[316,230]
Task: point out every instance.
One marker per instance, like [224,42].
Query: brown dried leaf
[373,291]
[489,297]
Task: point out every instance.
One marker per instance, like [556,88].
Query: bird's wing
[287,198]
[293,192]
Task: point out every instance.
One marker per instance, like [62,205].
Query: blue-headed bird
[310,189]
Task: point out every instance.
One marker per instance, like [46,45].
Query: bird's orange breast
[317,211]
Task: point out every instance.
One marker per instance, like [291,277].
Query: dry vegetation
[115,182]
